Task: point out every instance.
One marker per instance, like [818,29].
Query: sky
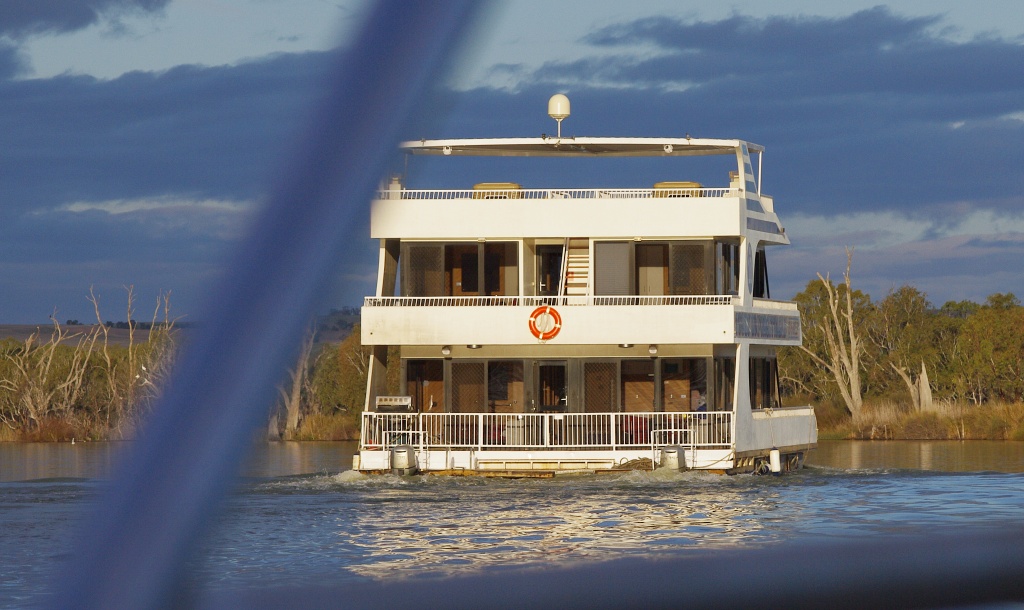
[137,137]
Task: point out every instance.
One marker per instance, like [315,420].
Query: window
[505,386]
[725,383]
[761,276]
[468,387]
[501,268]
[688,268]
[653,268]
[462,270]
[612,267]
[764,386]
[727,269]
[684,384]
[422,270]
[425,384]
[600,394]
[459,269]
[637,385]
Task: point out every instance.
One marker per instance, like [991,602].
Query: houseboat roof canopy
[552,146]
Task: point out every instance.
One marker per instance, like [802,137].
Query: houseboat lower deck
[526,444]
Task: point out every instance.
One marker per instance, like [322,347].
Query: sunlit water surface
[298,517]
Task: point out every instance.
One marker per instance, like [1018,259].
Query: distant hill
[330,328]
[335,326]
[21,332]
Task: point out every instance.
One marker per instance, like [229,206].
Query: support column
[376,376]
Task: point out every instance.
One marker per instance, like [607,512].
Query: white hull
[511,462]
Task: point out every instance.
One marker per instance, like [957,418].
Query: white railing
[482,431]
[536,301]
[556,193]
[711,299]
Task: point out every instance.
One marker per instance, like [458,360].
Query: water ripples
[351,526]
[285,530]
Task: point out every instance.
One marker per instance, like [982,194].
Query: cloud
[871,111]
[970,259]
[11,62]
[869,52]
[205,133]
[21,18]
[880,134]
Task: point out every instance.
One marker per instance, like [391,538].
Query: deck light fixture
[625,345]
[652,350]
[446,350]
[474,346]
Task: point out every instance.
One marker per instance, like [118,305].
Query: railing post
[480,431]
[421,428]
[612,428]
[546,420]
[363,427]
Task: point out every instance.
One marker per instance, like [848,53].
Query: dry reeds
[79,385]
[888,420]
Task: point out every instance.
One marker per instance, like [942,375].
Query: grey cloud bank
[865,114]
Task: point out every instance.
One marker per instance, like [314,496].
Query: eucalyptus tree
[831,360]
[901,333]
[992,351]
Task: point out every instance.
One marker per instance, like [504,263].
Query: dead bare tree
[843,344]
[133,382]
[155,361]
[80,379]
[919,389]
[291,397]
[113,399]
[37,384]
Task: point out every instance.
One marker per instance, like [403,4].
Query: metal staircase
[576,268]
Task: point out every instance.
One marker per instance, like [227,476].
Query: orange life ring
[545,322]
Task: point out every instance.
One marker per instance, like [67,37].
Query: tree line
[859,357]
[323,393]
[902,350]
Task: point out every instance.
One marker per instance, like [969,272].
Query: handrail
[490,431]
[535,301]
[519,194]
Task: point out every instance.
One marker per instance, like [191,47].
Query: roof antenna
[558,109]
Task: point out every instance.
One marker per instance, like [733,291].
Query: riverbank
[879,421]
[893,421]
[316,427]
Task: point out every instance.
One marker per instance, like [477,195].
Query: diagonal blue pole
[132,550]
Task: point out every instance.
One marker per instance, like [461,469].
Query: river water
[299,517]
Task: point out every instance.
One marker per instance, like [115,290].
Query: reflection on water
[300,518]
[33,461]
[332,528]
[291,458]
[945,456]
[454,524]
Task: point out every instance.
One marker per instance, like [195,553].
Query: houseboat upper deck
[538,330]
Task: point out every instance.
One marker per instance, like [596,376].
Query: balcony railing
[536,301]
[557,193]
[536,431]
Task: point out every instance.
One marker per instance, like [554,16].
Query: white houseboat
[542,330]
